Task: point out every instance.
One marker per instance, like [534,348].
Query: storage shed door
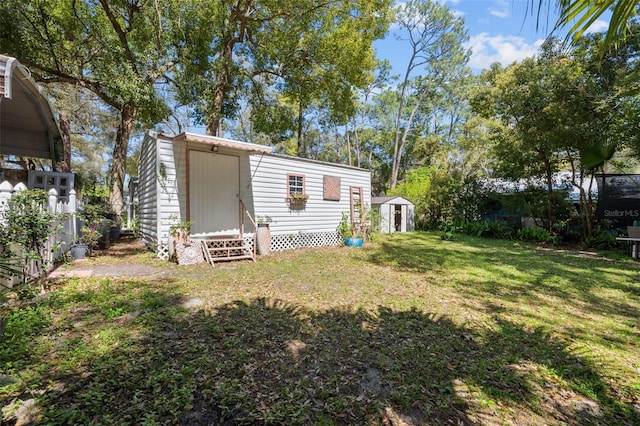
[214,187]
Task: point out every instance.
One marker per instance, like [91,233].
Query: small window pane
[296,184]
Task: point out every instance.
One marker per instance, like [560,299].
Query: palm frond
[580,15]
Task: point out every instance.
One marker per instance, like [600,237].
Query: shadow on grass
[267,362]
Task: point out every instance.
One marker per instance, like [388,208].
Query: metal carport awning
[27,125]
[226,143]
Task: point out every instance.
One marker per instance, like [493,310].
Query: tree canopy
[116,49]
[248,51]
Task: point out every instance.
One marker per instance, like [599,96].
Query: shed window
[295,184]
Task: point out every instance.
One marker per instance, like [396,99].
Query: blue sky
[501,31]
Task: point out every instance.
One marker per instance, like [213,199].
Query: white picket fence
[59,243]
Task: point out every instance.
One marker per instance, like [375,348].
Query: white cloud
[500,9]
[486,50]
[598,26]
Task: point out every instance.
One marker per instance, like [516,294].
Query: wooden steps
[226,248]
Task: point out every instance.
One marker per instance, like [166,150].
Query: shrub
[486,229]
[29,225]
[536,235]
[602,241]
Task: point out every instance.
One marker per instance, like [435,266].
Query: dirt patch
[124,258]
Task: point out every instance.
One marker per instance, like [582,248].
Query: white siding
[148,192]
[263,189]
[159,206]
[269,185]
[169,156]
[3,72]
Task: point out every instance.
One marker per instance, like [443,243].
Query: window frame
[290,187]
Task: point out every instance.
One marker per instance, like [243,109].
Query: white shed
[395,214]
[223,186]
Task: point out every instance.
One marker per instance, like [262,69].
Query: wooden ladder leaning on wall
[357,211]
[230,247]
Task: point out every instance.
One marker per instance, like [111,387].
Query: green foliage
[487,229]
[10,266]
[119,50]
[22,326]
[602,241]
[10,263]
[344,227]
[29,225]
[561,111]
[93,214]
[437,64]
[447,229]
[439,196]
[282,57]
[89,235]
[181,227]
[533,202]
[580,15]
[537,235]
[96,194]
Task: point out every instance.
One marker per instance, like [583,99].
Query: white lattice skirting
[280,242]
[163,251]
[304,239]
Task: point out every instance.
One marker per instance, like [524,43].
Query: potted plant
[350,236]
[89,237]
[180,231]
[263,236]
[94,215]
[355,241]
[185,250]
[114,226]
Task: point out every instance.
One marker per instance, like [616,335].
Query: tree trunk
[302,149]
[401,141]
[348,140]
[118,170]
[65,131]
[549,176]
[237,30]
[220,92]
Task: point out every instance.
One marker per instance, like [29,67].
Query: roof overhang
[27,125]
[221,142]
[378,201]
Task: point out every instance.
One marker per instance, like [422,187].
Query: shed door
[397,218]
[214,187]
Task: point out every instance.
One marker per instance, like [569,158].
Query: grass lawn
[408,330]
